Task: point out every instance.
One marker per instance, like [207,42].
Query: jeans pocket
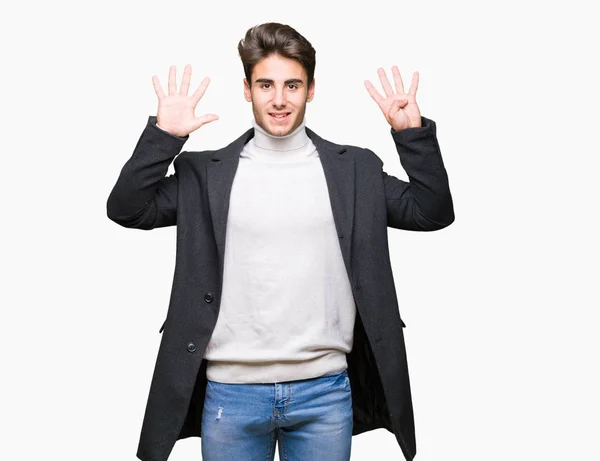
[347,382]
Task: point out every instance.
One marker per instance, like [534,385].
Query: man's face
[279,93]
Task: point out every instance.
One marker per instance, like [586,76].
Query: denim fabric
[308,419]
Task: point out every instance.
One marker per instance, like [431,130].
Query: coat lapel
[339,174]
[219,177]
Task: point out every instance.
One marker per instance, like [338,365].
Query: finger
[387,88]
[185,81]
[374,94]
[172,81]
[197,96]
[157,88]
[398,80]
[414,84]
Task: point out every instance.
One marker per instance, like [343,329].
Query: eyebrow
[297,81]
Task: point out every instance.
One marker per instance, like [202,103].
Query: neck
[291,141]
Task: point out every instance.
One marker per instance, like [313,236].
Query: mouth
[279,116]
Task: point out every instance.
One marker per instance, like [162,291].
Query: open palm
[176,111]
[399,108]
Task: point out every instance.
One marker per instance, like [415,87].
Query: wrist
[153,120]
[170,132]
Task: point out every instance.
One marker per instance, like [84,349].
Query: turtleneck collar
[291,145]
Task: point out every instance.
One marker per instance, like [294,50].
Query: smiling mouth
[280,117]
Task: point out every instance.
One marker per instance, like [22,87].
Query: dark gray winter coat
[364,201]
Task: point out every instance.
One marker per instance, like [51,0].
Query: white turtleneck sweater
[287,310]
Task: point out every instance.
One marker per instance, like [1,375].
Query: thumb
[395,107]
[206,118]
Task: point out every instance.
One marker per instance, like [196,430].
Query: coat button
[191,347]
[208,297]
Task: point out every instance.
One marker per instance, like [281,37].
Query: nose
[279,99]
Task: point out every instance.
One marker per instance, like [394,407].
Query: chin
[281,129]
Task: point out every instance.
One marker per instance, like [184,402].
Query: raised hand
[176,111]
[400,109]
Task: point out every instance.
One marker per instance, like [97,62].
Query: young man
[283,323]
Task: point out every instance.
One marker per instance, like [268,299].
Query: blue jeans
[310,418]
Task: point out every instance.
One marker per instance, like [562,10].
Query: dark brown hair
[270,38]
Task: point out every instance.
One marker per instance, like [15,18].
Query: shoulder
[193,158]
[363,154]
[201,158]
[367,155]
[358,153]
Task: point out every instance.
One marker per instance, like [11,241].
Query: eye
[292,86]
[266,86]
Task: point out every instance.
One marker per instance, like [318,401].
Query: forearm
[425,203]
[142,188]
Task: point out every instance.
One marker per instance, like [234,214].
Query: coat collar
[339,174]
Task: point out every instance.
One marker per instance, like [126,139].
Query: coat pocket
[162,327]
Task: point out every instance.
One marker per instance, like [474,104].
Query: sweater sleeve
[143,196]
[424,203]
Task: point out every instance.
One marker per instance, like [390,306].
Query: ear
[247,93]
[311,91]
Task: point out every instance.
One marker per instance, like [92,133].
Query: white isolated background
[501,307]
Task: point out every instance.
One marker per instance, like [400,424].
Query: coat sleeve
[143,196]
[424,203]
